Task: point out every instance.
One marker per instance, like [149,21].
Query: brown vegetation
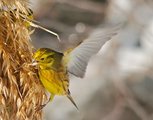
[20,89]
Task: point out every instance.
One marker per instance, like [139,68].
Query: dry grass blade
[49,31]
[20,89]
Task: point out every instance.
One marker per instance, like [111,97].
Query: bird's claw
[40,107]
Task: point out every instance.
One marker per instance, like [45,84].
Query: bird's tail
[71,99]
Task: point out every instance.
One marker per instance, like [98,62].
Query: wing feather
[79,57]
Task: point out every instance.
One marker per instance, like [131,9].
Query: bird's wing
[77,59]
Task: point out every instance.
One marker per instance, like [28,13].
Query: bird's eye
[42,58]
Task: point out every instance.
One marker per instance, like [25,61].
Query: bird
[54,67]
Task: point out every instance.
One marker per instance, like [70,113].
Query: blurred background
[118,84]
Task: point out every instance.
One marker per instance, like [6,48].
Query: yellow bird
[54,66]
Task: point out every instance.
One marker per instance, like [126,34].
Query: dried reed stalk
[20,89]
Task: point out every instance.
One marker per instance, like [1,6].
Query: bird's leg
[50,99]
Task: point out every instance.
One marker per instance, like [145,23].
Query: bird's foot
[40,107]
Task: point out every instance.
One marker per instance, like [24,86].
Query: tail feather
[71,99]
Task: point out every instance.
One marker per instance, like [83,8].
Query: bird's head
[47,58]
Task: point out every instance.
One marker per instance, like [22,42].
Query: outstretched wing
[78,58]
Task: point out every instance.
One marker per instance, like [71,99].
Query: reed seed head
[20,89]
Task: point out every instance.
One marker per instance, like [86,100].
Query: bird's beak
[34,62]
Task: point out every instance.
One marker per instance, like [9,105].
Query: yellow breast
[55,82]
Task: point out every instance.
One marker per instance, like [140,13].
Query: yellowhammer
[54,66]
